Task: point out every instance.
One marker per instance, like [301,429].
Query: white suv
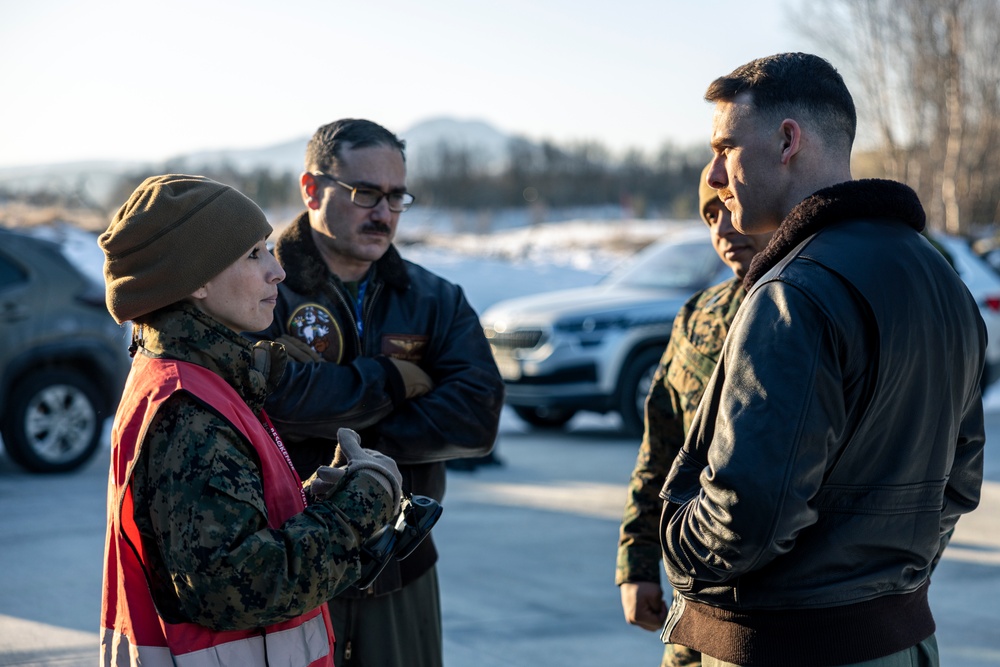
[596,348]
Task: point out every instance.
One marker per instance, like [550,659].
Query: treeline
[537,176]
[545,175]
[664,184]
[926,77]
[271,190]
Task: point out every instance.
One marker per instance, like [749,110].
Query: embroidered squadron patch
[316,327]
[404,346]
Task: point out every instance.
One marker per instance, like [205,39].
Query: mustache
[376,227]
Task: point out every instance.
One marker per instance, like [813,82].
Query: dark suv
[63,359]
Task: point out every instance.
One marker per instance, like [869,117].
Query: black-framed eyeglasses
[366,197]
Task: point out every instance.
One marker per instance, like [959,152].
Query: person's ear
[791,139]
[309,190]
[200,293]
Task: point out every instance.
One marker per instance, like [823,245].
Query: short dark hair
[327,144]
[799,82]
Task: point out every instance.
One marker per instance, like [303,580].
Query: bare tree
[927,80]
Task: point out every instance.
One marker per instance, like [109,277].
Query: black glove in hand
[416,380]
[377,464]
[298,350]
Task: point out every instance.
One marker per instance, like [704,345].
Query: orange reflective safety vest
[133,633]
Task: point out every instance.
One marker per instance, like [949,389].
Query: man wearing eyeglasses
[383,346]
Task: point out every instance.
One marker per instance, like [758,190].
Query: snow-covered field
[490,267]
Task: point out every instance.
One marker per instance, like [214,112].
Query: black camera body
[417,515]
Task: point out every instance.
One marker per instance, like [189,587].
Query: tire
[633,386]
[551,418]
[53,422]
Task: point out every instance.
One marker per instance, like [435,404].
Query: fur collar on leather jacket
[852,200]
[296,248]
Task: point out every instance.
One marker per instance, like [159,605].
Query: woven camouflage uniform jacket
[696,340]
[199,500]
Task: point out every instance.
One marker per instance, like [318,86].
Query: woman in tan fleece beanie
[216,552]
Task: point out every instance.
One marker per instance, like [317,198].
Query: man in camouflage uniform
[695,343]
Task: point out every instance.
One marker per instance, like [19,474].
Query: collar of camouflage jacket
[864,199]
[307,272]
[184,333]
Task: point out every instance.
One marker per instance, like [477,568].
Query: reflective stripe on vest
[300,645]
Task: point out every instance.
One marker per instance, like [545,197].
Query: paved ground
[527,563]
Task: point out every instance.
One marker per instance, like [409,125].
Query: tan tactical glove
[376,464]
[416,380]
[298,350]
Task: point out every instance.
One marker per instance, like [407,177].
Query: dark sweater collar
[867,199]
[307,272]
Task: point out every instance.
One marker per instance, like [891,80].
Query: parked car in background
[984,284]
[63,359]
[596,348]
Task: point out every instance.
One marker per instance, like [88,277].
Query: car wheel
[633,386]
[53,422]
[545,417]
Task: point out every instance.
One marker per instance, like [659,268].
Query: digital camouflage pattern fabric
[696,340]
[200,504]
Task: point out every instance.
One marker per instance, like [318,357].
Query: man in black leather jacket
[384,347]
[841,436]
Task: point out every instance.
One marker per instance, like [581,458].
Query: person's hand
[377,464]
[321,484]
[643,604]
[416,380]
[298,350]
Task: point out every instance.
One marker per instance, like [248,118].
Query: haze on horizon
[145,81]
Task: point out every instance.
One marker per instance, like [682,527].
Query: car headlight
[592,330]
[592,325]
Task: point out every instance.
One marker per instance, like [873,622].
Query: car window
[10,274]
[669,266]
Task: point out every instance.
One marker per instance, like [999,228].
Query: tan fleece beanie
[705,192]
[173,235]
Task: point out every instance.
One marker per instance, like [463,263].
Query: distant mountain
[283,157]
[489,142]
[96,178]
[92,180]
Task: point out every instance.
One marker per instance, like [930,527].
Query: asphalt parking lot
[527,560]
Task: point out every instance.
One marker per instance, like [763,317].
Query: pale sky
[135,80]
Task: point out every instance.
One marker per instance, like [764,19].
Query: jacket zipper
[366,308]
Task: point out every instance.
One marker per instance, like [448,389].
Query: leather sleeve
[355,395]
[460,417]
[964,488]
[774,415]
